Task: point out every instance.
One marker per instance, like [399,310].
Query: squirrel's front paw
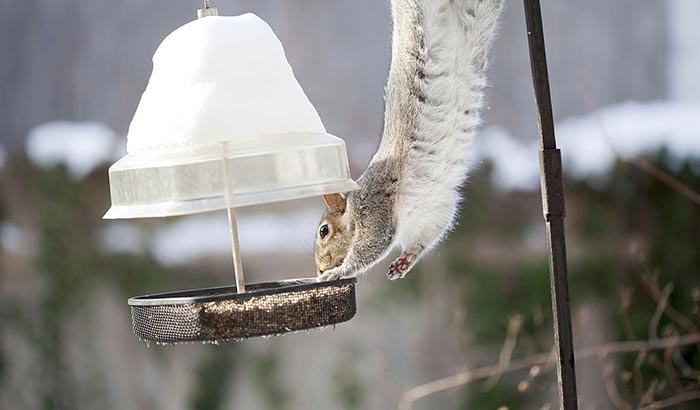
[333,274]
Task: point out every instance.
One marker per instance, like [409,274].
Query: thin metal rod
[232,223]
[237,263]
[553,209]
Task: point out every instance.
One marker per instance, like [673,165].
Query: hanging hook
[207,10]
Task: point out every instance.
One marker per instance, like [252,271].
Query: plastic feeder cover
[223,123]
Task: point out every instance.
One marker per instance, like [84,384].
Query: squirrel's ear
[335,202]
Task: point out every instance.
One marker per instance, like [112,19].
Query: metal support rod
[553,209]
[237,264]
[232,222]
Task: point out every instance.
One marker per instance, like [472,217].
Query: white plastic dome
[220,78]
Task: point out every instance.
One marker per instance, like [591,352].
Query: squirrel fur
[409,194]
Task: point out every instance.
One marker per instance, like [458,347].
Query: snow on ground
[122,237]
[683,59]
[514,161]
[195,237]
[80,146]
[589,142]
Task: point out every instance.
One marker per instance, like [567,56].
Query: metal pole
[553,209]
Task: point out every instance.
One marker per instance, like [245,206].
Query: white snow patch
[514,161]
[589,143]
[122,237]
[219,78]
[80,146]
[15,240]
[683,60]
[195,237]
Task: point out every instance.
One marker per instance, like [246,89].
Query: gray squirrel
[409,193]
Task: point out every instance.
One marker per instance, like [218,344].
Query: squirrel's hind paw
[400,267]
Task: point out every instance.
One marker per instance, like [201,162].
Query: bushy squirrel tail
[478,20]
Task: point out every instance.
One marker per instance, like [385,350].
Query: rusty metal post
[553,209]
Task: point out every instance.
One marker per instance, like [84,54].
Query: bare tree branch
[671,372]
[645,166]
[638,378]
[672,401]
[624,296]
[638,346]
[684,366]
[468,376]
[515,323]
[662,303]
[648,396]
[662,176]
[611,387]
[652,284]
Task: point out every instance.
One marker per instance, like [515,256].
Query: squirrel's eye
[323,231]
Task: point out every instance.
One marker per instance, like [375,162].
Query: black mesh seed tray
[219,314]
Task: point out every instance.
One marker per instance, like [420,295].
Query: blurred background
[626,98]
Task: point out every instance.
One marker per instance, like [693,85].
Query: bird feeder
[223,123]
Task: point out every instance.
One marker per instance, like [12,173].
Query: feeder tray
[219,313]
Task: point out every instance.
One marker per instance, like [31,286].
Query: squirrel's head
[334,234]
